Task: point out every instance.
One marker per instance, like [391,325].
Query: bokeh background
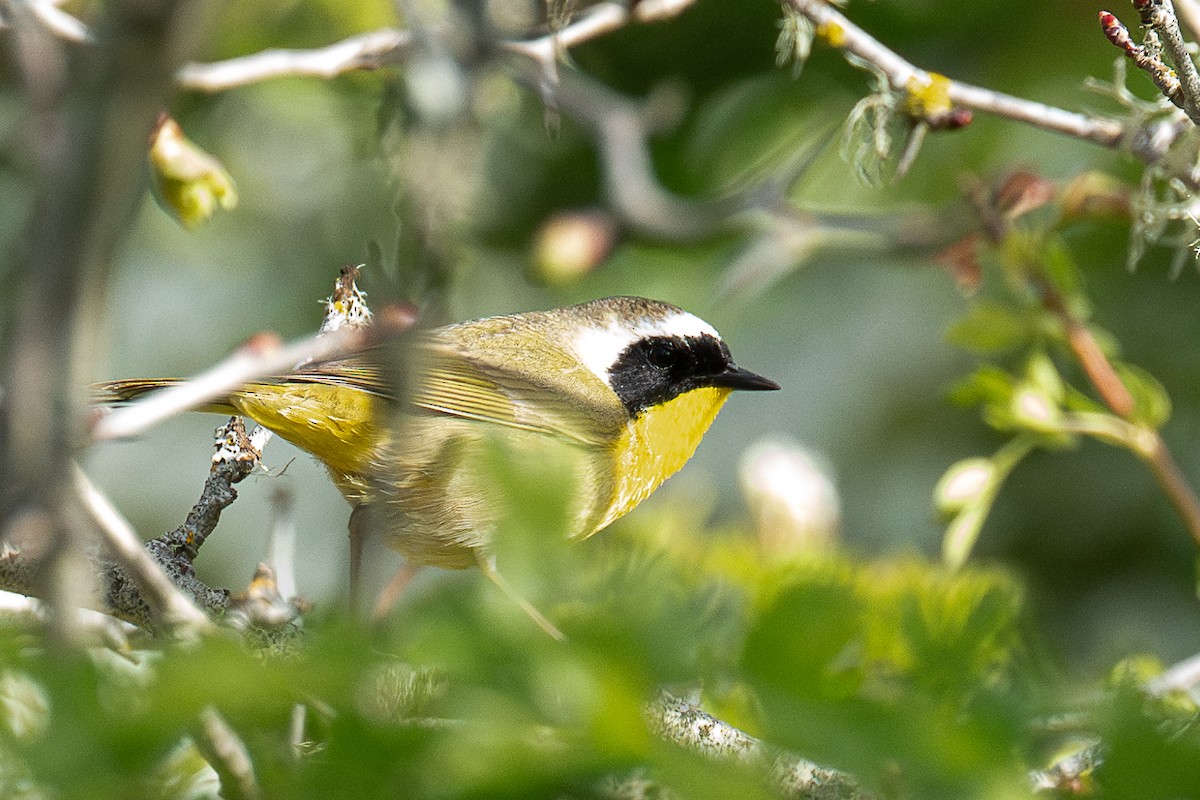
[853,332]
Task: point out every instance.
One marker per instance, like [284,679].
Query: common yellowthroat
[621,388]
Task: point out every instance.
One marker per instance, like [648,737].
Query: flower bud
[189,182]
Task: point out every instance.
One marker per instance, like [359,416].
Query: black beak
[734,377]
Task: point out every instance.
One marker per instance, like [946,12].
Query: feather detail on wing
[453,382]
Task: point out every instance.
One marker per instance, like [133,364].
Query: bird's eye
[662,355]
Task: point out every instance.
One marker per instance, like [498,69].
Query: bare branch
[348,328]
[1188,12]
[372,50]
[1183,676]
[629,180]
[123,544]
[129,589]
[680,722]
[1159,17]
[1143,58]
[389,46]
[838,31]
[262,357]
[227,754]
[598,20]
[59,22]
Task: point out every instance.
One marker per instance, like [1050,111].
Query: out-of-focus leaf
[987,384]
[990,328]
[806,642]
[1151,403]
[960,627]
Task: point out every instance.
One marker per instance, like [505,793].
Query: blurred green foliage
[919,680]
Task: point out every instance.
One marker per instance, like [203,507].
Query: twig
[227,754]
[1188,12]
[1146,442]
[389,46]
[281,550]
[348,328]
[629,180]
[598,20]
[262,357]
[59,22]
[1173,482]
[1144,59]
[1181,677]
[122,543]
[86,133]
[129,589]
[837,30]
[296,731]
[371,50]
[1159,16]
[684,724]
[236,457]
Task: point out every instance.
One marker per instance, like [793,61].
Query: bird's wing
[496,387]
[500,388]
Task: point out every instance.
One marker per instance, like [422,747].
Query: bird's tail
[111,393]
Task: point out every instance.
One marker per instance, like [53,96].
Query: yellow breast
[334,423]
[656,443]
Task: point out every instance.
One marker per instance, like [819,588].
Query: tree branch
[175,610]
[1159,17]
[262,357]
[90,110]
[372,50]
[838,31]
[682,723]
[1148,443]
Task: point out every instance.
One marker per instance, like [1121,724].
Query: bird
[619,390]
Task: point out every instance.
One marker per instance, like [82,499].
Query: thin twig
[389,46]
[1173,482]
[1159,15]
[227,754]
[682,723]
[348,327]
[837,30]
[59,22]
[371,50]
[1144,58]
[124,595]
[1188,12]
[597,21]
[123,544]
[263,357]
[1183,676]
[1146,442]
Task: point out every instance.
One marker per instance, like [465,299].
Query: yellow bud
[189,182]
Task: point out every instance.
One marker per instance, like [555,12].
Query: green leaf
[987,384]
[804,643]
[1151,403]
[990,328]
[1063,273]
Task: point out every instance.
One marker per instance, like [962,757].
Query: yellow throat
[657,443]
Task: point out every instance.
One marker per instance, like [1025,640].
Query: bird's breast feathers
[657,443]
